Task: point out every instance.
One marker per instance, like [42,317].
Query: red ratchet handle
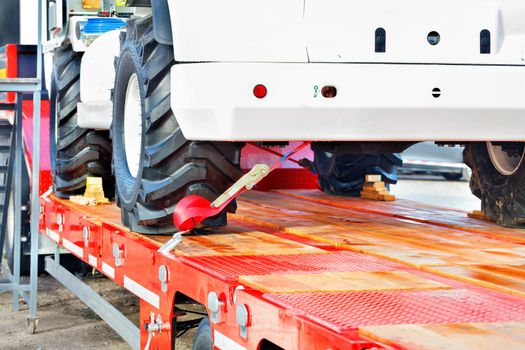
[192,210]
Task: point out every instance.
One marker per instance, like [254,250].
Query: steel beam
[114,318]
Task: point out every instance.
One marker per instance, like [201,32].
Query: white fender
[97,78]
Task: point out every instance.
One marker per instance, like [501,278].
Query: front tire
[154,165]
[498,178]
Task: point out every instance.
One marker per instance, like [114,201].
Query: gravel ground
[66,323]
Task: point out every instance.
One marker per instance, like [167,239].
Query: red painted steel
[344,311]
[290,176]
[229,268]
[46,182]
[140,263]
[11,67]
[319,320]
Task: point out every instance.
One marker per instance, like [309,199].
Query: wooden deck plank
[446,251]
[438,215]
[339,282]
[241,241]
[488,336]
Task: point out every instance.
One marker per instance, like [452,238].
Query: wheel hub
[133,126]
[505,162]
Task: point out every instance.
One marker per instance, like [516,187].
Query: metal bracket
[118,254]
[163,278]
[248,180]
[31,324]
[156,325]
[171,244]
[215,306]
[60,222]
[85,235]
[242,316]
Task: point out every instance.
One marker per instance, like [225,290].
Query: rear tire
[343,174]
[157,166]
[75,152]
[502,191]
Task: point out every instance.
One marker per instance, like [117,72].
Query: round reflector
[260,91]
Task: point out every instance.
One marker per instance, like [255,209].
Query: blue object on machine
[98,26]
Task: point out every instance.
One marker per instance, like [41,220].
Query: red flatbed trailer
[312,271]
[319,272]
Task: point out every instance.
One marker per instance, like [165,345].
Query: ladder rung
[7,106]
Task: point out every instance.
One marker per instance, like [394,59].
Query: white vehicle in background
[157,97]
[429,158]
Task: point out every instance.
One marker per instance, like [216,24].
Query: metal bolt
[243,319]
[118,254]
[215,305]
[163,278]
[85,234]
[60,222]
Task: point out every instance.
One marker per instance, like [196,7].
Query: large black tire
[170,167]
[502,196]
[343,174]
[202,339]
[75,152]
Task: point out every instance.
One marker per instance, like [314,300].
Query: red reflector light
[260,91]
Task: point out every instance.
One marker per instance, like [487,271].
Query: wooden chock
[94,194]
[375,189]
[479,215]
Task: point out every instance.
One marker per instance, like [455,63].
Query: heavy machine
[158,96]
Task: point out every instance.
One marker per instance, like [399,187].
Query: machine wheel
[344,173]
[498,176]
[202,339]
[75,152]
[154,165]
[452,176]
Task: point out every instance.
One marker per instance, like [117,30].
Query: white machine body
[415,90]
[434,79]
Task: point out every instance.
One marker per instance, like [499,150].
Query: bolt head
[242,315]
[213,302]
[116,250]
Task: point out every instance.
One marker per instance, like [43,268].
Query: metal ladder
[11,158]
[28,291]
[7,156]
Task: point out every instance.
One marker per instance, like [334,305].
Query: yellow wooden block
[372,178]
[479,215]
[379,184]
[95,190]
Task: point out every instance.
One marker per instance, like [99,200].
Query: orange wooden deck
[422,249]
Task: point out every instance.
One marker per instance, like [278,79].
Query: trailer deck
[314,271]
